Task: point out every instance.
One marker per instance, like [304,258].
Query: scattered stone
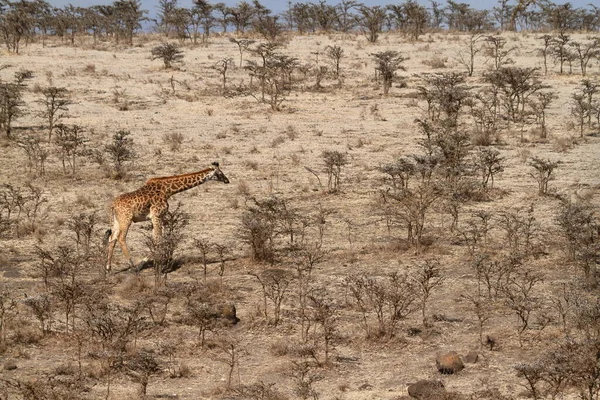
[449,363]
[491,342]
[426,390]
[365,386]
[471,357]
[227,312]
[10,365]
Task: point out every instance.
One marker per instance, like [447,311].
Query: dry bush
[267,220]
[273,75]
[11,103]
[37,155]
[8,312]
[141,366]
[580,229]
[22,209]
[304,376]
[70,142]
[543,174]
[334,161]
[55,103]
[520,230]
[386,64]
[120,153]
[258,391]
[173,140]
[90,68]
[436,62]
[162,249]
[390,300]
[42,309]
[426,279]
[169,53]
[275,285]
[563,144]
[466,57]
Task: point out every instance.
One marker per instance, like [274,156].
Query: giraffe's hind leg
[118,233]
[112,234]
[121,238]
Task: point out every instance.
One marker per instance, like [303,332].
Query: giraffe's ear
[215,164]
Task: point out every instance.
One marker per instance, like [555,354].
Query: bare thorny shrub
[22,209]
[390,299]
[268,221]
[8,312]
[229,351]
[70,142]
[573,363]
[441,174]
[273,75]
[37,154]
[113,328]
[169,53]
[513,89]
[62,272]
[334,161]
[543,174]
[580,229]
[120,152]
[275,284]
[11,101]
[55,103]
[162,252]
[387,63]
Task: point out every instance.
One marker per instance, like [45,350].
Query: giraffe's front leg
[157,212]
[157,229]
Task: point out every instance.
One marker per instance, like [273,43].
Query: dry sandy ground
[265,153]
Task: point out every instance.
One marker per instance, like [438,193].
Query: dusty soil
[265,153]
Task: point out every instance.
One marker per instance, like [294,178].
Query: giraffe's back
[136,205]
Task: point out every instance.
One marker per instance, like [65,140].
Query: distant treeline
[22,21]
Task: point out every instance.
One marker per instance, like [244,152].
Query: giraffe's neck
[179,183]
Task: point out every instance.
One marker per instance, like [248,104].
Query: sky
[277,6]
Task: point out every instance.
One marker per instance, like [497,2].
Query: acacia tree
[243,45]
[516,85]
[335,54]
[371,20]
[334,161]
[466,57]
[70,142]
[165,16]
[16,23]
[273,74]
[241,16]
[345,18]
[202,15]
[128,16]
[543,174]
[560,51]
[120,151]
[387,63]
[545,50]
[494,48]
[168,52]
[585,52]
[417,18]
[10,105]
[54,102]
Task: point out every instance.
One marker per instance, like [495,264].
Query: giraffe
[150,203]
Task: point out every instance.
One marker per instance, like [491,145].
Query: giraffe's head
[217,174]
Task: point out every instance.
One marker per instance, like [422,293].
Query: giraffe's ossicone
[150,203]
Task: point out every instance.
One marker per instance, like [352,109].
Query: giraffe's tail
[107,236]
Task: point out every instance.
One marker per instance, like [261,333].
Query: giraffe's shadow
[166,266]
